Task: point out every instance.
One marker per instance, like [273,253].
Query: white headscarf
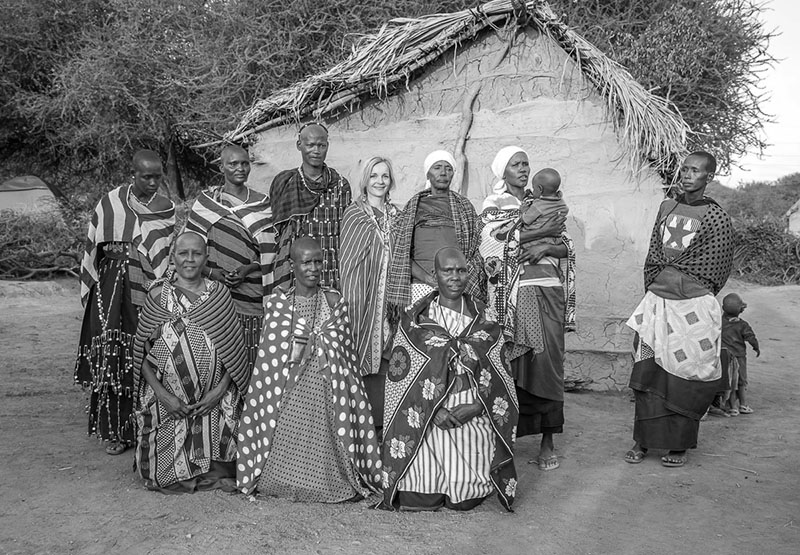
[438,156]
[499,164]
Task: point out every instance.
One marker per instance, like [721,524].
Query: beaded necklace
[140,201]
[303,180]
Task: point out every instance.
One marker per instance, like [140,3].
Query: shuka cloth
[684,334]
[114,220]
[255,221]
[281,365]
[299,210]
[215,315]
[427,365]
[468,236]
[127,246]
[704,249]
[105,352]
[188,345]
[677,372]
[366,252]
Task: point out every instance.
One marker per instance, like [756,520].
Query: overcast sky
[782,83]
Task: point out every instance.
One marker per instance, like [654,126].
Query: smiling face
[235,165]
[440,175]
[313,145]
[189,256]
[451,273]
[306,262]
[695,174]
[379,182]
[517,171]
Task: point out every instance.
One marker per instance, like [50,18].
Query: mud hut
[475,81]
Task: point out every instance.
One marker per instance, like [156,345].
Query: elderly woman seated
[190,372]
[433,219]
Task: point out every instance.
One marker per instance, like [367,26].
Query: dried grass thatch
[652,130]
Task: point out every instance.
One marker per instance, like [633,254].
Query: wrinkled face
[236,166]
[517,171]
[147,177]
[440,175]
[451,276]
[307,266]
[189,256]
[313,146]
[380,180]
[694,174]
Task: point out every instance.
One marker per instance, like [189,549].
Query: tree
[83,83]
[706,56]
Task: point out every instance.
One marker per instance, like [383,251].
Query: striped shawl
[213,312]
[115,221]
[254,217]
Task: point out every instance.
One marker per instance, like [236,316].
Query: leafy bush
[40,245]
[765,253]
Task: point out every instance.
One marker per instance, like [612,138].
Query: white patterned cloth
[684,334]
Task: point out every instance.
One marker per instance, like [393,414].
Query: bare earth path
[739,492]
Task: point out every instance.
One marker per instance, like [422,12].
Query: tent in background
[26,193]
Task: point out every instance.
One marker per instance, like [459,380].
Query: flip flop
[116,448]
[550,463]
[635,457]
[673,461]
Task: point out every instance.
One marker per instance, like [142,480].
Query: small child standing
[735,332]
[537,212]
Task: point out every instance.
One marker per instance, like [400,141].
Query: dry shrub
[40,245]
[765,253]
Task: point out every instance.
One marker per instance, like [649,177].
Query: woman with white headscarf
[434,218]
[535,307]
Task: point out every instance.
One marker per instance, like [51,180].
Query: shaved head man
[236,222]
[128,247]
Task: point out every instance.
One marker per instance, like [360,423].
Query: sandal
[673,460]
[733,412]
[635,457]
[745,409]
[550,463]
[116,448]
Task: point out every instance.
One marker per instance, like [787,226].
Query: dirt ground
[60,492]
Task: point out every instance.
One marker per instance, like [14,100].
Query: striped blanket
[114,220]
[213,312]
[427,366]
[364,265]
[255,219]
[190,345]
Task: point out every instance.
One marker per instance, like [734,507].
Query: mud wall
[528,93]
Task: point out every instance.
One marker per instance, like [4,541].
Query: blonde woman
[366,251]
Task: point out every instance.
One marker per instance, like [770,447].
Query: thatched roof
[650,127]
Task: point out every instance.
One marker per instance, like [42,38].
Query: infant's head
[733,304]
[547,180]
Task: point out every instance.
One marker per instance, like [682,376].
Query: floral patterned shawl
[422,374]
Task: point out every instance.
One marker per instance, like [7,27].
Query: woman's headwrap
[499,164]
[438,156]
